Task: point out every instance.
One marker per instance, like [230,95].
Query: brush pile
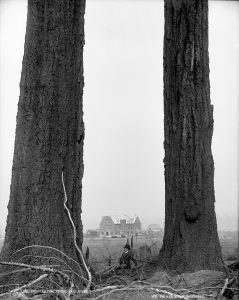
[204,284]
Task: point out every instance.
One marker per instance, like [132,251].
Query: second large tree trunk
[190,239]
[49,133]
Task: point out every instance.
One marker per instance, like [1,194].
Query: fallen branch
[106,270]
[133,289]
[14,271]
[40,268]
[7,285]
[224,287]
[74,273]
[50,248]
[164,291]
[74,236]
[55,258]
[113,291]
[25,285]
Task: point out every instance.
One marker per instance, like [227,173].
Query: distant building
[154,227]
[114,225]
[91,233]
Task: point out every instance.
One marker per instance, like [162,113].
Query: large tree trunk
[49,132]
[190,239]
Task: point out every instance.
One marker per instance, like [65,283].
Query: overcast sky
[123,106]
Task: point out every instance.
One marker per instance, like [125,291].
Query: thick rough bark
[190,239]
[49,132]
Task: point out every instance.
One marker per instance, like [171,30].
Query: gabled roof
[129,220]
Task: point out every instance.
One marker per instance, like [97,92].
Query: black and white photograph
[119,137]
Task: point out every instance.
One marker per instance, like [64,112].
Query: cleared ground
[103,247]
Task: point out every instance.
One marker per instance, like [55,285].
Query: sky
[123,107]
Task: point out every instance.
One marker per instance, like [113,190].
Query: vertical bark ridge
[190,239]
[50,130]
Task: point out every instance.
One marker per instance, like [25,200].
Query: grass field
[103,248]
